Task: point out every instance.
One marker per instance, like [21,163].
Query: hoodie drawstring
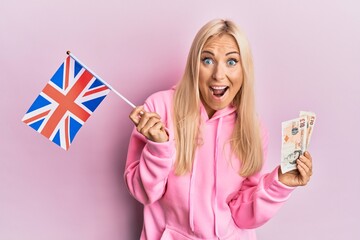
[192,183]
[218,130]
[191,196]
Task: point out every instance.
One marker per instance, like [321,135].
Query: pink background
[307,57]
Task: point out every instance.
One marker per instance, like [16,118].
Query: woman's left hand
[300,176]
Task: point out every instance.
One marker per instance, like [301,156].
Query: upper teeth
[218,88]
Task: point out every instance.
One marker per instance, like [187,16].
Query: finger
[304,176]
[307,162]
[154,130]
[158,133]
[144,129]
[308,156]
[303,166]
[135,114]
[157,128]
[145,117]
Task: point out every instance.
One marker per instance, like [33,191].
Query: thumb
[136,114]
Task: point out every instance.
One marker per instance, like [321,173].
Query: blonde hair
[246,139]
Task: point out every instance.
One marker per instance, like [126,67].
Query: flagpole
[100,79]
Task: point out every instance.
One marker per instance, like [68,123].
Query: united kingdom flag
[65,103]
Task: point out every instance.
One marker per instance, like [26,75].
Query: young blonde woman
[197,150]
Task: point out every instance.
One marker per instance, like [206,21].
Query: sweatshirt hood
[218,117]
[227,111]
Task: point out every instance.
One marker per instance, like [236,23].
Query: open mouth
[219,91]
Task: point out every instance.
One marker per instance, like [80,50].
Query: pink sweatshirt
[211,202]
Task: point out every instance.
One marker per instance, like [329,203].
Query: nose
[219,72]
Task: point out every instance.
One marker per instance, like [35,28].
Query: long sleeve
[148,165]
[259,197]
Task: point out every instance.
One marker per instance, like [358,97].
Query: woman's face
[220,74]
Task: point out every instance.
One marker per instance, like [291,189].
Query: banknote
[294,137]
[311,118]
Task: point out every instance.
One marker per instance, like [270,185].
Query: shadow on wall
[129,211]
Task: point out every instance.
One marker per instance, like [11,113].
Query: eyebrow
[205,51]
[234,52]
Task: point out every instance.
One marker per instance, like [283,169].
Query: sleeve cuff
[161,150]
[275,188]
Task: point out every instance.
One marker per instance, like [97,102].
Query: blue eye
[232,62]
[207,61]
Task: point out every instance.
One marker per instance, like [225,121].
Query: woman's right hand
[149,124]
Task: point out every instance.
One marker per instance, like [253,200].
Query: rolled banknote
[311,117]
[293,142]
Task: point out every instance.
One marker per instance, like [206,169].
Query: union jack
[65,103]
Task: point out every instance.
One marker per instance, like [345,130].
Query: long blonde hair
[246,139]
